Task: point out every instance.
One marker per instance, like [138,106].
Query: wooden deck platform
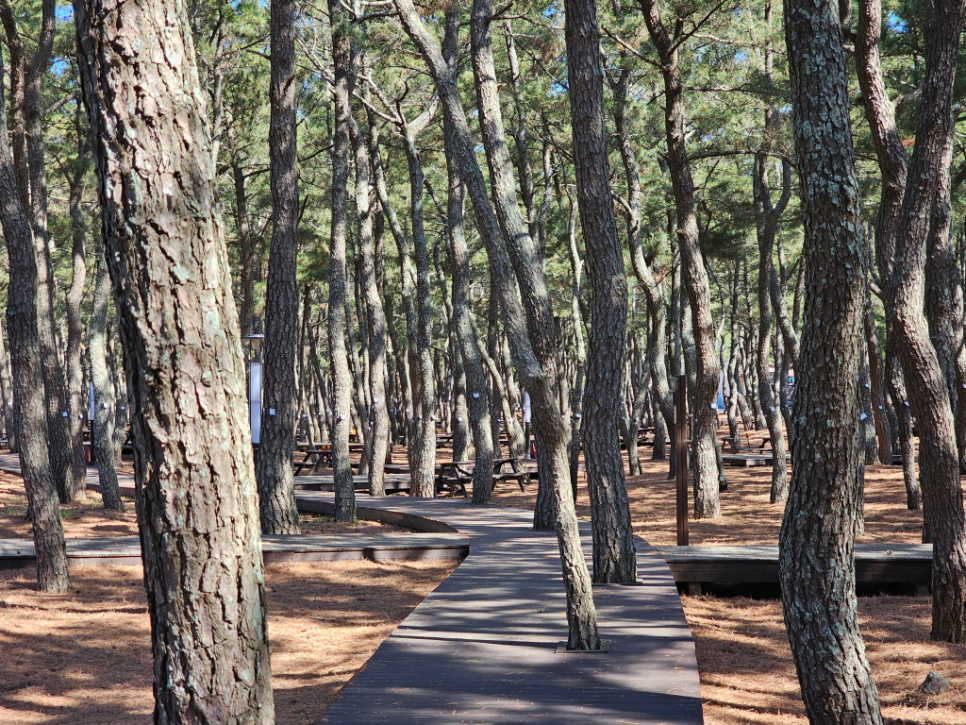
[874,564]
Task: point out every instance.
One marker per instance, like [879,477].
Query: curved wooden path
[482,648]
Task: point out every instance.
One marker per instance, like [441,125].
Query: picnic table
[393,482]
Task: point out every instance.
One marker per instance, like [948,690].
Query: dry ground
[85,657]
[747,674]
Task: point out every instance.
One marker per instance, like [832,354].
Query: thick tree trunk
[581,614]
[695,276]
[196,492]
[102,431]
[615,556]
[816,555]
[28,387]
[346,64]
[276,447]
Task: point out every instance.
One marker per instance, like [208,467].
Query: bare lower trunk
[196,493]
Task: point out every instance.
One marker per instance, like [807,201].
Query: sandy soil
[86,656]
[89,518]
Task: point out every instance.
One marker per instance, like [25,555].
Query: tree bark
[581,614]
[615,556]
[28,387]
[695,276]
[816,554]
[928,394]
[196,492]
[276,448]
[102,431]
[345,59]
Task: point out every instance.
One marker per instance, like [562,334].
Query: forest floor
[85,656]
[747,673]
[744,659]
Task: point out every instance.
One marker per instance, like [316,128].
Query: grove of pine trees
[430,211]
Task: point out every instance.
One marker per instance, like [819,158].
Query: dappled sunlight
[85,656]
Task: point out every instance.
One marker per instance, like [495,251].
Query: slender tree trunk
[581,613]
[77,478]
[379,413]
[102,432]
[615,556]
[704,426]
[276,448]
[816,554]
[477,388]
[196,492]
[28,387]
[345,60]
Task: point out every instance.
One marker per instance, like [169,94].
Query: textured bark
[276,486]
[246,246]
[477,389]
[102,431]
[767,218]
[195,478]
[346,65]
[528,264]
[816,554]
[883,434]
[379,412]
[695,276]
[28,388]
[615,557]
[928,395]
[581,614]
[77,470]
[580,357]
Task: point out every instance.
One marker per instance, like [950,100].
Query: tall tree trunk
[704,426]
[816,553]
[102,431]
[379,420]
[9,430]
[477,387]
[196,493]
[77,478]
[615,556]
[577,391]
[928,395]
[528,266]
[28,387]
[581,613]
[767,223]
[346,64]
[276,447]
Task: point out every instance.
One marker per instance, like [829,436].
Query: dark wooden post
[681,453]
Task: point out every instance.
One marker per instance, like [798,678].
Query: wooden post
[681,453]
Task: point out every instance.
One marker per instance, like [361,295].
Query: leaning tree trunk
[276,446]
[928,395]
[477,387]
[102,432]
[28,386]
[615,556]
[345,62]
[581,613]
[196,493]
[816,555]
[694,273]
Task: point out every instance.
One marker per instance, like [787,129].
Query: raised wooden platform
[874,564]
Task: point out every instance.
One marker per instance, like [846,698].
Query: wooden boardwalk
[482,647]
